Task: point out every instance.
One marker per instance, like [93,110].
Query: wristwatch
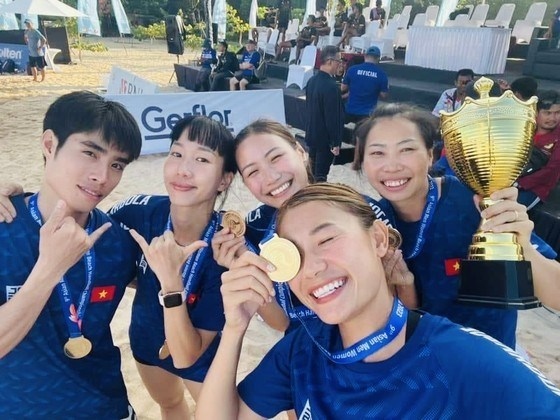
[173,299]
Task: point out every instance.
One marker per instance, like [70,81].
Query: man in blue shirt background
[365,84]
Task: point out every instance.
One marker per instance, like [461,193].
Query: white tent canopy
[41,7]
[253,14]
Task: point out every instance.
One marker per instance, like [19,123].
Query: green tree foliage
[235,25]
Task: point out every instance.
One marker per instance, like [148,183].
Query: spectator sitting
[537,185]
[321,24]
[356,25]
[307,36]
[451,99]
[227,66]
[378,13]
[249,62]
[340,18]
[207,59]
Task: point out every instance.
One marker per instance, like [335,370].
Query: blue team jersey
[148,215]
[442,372]
[436,268]
[37,379]
[365,82]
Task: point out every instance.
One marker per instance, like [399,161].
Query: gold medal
[285,257]
[77,347]
[235,223]
[164,351]
[395,238]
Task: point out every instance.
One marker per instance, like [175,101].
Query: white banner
[120,17]
[123,82]
[157,114]
[90,23]
[219,18]
[8,21]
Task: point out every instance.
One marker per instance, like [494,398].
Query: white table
[484,50]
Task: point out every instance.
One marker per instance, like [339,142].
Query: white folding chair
[431,15]
[461,20]
[386,43]
[299,74]
[478,17]
[50,54]
[361,43]
[536,13]
[264,34]
[270,47]
[419,20]
[503,17]
[523,29]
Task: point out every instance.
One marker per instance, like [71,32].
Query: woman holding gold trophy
[366,355]
[437,218]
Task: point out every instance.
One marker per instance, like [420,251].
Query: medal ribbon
[370,344]
[427,216]
[73,321]
[192,266]
[282,289]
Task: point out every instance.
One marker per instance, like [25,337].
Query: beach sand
[22,106]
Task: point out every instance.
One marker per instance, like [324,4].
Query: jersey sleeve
[208,310]
[544,249]
[498,381]
[440,104]
[267,389]
[129,213]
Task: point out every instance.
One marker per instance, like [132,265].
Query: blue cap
[373,50]
[27,21]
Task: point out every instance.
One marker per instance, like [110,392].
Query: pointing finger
[96,234]
[139,240]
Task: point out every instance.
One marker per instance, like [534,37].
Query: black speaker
[174,36]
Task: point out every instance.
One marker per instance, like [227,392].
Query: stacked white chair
[523,29]
[362,43]
[386,43]
[503,17]
[299,74]
[270,47]
[478,17]
[431,15]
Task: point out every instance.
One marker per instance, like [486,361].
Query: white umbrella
[41,7]
[253,14]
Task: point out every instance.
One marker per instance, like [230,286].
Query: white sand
[22,106]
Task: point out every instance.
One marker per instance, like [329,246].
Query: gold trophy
[488,141]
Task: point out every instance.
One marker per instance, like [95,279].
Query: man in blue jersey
[249,62]
[365,84]
[64,266]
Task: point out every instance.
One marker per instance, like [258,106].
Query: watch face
[172,300]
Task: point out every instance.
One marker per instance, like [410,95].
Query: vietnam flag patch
[452,266]
[102,294]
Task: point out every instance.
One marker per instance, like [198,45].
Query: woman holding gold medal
[177,311]
[437,218]
[274,167]
[365,355]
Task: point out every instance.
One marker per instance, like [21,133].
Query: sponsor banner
[88,24]
[120,17]
[157,114]
[17,52]
[123,82]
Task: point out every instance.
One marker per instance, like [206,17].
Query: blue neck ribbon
[193,265]
[72,315]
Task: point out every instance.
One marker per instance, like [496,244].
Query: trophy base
[497,284]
